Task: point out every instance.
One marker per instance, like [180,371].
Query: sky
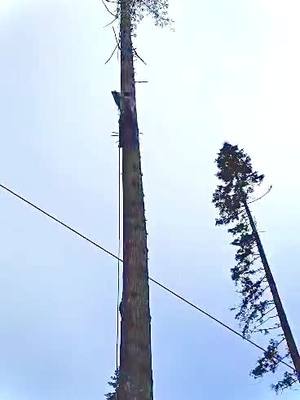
[228,72]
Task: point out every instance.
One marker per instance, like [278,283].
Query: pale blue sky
[230,71]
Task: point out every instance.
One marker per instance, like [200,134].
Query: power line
[60,222]
[118,261]
[173,293]
[213,318]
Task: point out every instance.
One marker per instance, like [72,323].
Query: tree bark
[135,354]
[278,304]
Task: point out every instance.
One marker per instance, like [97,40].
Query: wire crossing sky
[151,279]
[229,72]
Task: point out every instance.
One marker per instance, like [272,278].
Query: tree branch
[113,52]
[268,191]
[107,9]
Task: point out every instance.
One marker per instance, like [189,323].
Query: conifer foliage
[157,9]
[114,383]
[260,310]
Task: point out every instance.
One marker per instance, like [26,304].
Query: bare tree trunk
[278,304]
[135,355]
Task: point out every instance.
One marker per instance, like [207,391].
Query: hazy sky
[230,71]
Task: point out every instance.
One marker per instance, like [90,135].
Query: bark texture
[135,355]
[278,304]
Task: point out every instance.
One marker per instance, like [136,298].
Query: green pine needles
[257,311]
[157,9]
[114,383]
[138,9]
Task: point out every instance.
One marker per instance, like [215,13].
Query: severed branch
[111,56]
[117,40]
[111,22]
[140,58]
[115,48]
[107,9]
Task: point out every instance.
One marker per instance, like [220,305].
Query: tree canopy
[256,312]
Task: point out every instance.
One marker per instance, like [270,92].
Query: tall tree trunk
[278,304]
[135,356]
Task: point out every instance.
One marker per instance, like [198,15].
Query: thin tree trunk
[278,304]
[135,355]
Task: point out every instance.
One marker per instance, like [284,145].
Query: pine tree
[114,383]
[134,380]
[261,309]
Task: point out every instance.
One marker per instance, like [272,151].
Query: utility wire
[213,318]
[173,293]
[118,261]
[59,222]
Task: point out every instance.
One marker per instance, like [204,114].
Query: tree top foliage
[256,312]
[138,9]
[239,180]
[157,9]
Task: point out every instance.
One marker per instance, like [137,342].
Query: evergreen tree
[261,310]
[114,383]
[134,380]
